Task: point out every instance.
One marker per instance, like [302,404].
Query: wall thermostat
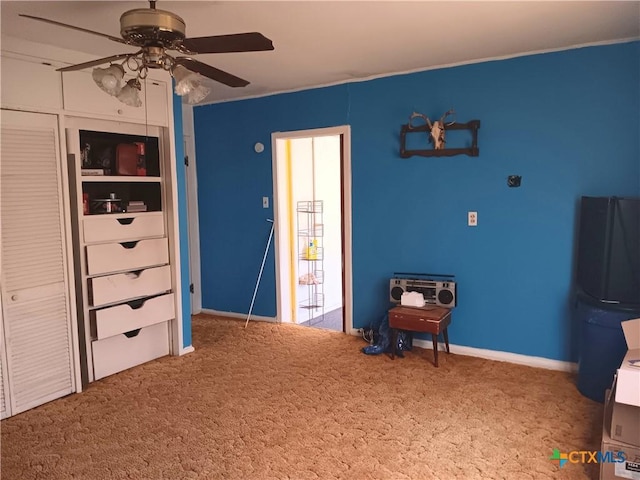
[258,147]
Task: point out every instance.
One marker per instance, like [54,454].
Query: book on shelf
[136,206]
[91,171]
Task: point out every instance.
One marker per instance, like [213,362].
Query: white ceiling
[320,43]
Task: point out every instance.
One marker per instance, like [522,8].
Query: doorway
[312,207]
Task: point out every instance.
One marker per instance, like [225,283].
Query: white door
[33,263]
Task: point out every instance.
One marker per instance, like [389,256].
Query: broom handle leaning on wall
[264,258]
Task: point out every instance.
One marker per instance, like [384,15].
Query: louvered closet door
[37,325]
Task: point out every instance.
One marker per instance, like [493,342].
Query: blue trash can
[602,344]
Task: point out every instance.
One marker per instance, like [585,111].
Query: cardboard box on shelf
[625,458]
[628,391]
[629,468]
[622,420]
[625,415]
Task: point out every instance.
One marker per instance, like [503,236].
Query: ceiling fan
[157,31]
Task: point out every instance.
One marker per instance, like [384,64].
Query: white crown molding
[418,70]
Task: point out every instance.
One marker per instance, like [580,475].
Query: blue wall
[183,226]
[568,122]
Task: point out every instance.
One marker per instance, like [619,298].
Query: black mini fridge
[608,287]
[609,250]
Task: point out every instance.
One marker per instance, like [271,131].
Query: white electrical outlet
[265,202]
[473,219]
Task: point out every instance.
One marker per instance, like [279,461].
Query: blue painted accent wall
[568,122]
[185,277]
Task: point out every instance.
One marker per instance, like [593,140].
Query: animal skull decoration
[437,129]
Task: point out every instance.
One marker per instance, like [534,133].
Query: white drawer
[113,257]
[136,314]
[120,352]
[105,228]
[122,286]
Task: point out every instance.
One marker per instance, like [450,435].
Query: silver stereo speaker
[441,293]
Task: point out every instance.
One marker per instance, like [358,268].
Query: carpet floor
[276,401]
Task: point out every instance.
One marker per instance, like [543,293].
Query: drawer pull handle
[132,333]
[126,221]
[136,304]
[130,245]
[133,275]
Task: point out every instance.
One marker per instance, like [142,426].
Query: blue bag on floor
[383,343]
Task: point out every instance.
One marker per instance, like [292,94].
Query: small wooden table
[429,319]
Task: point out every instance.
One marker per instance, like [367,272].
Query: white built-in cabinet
[82,97]
[38,337]
[124,272]
[30,83]
[83,296]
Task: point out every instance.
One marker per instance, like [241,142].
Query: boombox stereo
[442,293]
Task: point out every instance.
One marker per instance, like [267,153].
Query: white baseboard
[186,350]
[530,361]
[238,315]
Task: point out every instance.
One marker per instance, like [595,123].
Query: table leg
[394,342]
[446,338]
[434,337]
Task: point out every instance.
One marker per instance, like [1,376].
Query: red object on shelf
[141,167]
[126,159]
[85,204]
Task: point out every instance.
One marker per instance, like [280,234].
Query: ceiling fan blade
[94,63]
[238,42]
[211,72]
[80,29]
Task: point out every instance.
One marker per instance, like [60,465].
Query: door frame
[191,176]
[282,290]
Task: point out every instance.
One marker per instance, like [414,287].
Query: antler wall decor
[436,135]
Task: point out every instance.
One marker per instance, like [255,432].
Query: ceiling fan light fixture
[129,93]
[183,80]
[190,84]
[109,79]
[198,94]
[155,32]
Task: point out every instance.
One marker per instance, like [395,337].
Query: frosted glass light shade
[109,79]
[190,84]
[129,93]
[198,94]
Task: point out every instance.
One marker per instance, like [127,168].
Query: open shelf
[316,300]
[311,206]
